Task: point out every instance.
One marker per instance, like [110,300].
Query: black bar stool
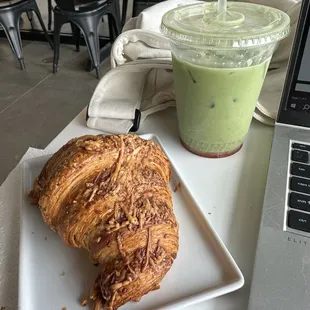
[49,14]
[9,19]
[87,20]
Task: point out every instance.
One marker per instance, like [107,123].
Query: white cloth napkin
[10,202]
[141,37]
[137,44]
[144,85]
[140,58]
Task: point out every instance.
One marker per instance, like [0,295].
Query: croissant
[110,195]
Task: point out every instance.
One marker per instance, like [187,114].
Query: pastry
[110,195]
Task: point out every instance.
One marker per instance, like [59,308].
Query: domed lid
[239,25]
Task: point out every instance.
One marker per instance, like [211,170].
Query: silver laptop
[281,277]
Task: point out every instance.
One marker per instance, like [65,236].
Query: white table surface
[229,190]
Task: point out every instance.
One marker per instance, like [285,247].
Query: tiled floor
[35,105]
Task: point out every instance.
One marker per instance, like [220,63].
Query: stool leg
[97,72]
[89,26]
[114,21]
[111,28]
[57,28]
[116,11]
[76,32]
[124,11]
[10,24]
[30,17]
[37,11]
[77,38]
[49,12]
[92,41]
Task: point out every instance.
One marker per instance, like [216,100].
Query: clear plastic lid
[241,25]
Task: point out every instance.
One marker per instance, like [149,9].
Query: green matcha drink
[215,105]
[220,58]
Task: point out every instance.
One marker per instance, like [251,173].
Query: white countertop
[230,190]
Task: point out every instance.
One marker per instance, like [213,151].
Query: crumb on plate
[177,187]
[84,302]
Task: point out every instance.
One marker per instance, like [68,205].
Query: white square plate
[53,276]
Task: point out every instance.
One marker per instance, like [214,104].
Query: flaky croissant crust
[110,195]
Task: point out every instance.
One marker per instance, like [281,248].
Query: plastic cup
[220,59]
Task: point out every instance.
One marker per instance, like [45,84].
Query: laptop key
[300,170]
[298,220]
[300,156]
[299,201]
[300,185]
[300,146]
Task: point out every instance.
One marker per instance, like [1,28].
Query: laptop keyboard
[299,185]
